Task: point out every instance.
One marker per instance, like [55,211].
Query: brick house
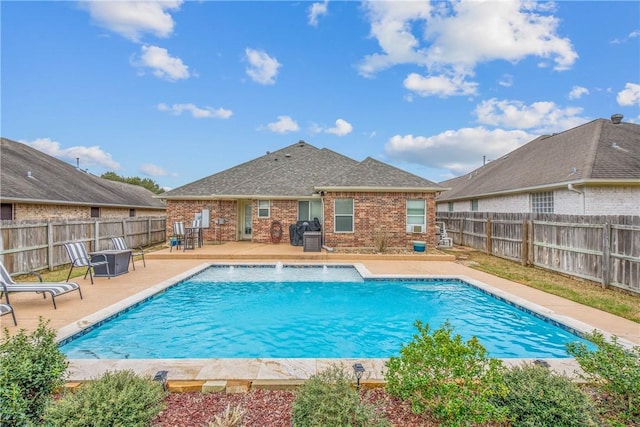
[36,186]
[355,202]
[592,169]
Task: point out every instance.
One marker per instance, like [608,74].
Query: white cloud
[630,95]
[131,19]
[163,65]
[283,125]
[540,117]
[341,128]
[196,112]
[88,156]
[453,38]
[506,80]
[153,170]
[577,92]
[459,151]
[316,10]
[439,85]
[262,68]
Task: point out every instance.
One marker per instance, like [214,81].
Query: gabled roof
[30,176]
[299,170]
[597,152]
[373,175]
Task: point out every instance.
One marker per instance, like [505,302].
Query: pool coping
[274,372]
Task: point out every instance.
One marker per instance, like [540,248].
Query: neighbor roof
[30,176]
[300,170]
[597,152]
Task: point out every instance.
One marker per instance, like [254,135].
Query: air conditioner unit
[416,229]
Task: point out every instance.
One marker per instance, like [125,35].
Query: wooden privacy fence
[604,249]
[37,245]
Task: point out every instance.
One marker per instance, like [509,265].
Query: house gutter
[584,182]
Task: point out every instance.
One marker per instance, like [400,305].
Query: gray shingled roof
[593,152]
[31,176]
[299,170]
[373,174]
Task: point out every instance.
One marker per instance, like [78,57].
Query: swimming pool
[310,312]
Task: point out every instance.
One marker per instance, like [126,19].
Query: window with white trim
[450,206]
[542,202]
[343,215]
[309,209]
[416,216]
[474,205]
[264,207]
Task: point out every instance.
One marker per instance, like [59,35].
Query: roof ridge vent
[616,119]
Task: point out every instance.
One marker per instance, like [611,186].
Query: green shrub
[118,398]
[452,379]
[31,369]
[539,398]
[614,369]
[328,399]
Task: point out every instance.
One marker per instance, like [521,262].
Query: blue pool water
[309,312]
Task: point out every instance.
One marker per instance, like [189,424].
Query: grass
[591,294]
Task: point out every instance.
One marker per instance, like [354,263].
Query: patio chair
[444,241]
[120,245]
[177,238]
[80,258]
[52,288]
[6,309]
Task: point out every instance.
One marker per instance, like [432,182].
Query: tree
[147,183]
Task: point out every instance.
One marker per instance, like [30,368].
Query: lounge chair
[120,244]
[52,288]
[6,309]
[80,258]
[177,239]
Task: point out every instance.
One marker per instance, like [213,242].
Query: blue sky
[176,91]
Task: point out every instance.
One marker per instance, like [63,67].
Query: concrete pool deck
[108,295]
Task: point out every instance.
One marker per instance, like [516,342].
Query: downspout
[570,187]
[326,248]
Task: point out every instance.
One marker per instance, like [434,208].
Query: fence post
[488,231]
[462,231]
[50,243]
[606,254]
[149,231]
[524,256]
[531,243]
[96,234]
[124,229]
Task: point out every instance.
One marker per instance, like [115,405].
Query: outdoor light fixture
[358,369]
[161,377]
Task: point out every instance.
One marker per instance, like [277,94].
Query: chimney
[616,119]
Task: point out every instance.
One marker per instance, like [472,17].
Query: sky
[179,90]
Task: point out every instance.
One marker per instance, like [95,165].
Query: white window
[542,202]
[450,206]
[263,208]
[416,216]
[309,209]
[474,205]
[343,220]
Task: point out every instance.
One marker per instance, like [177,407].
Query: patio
[163,266]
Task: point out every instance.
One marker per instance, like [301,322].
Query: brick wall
[185,210]
[374,213]
[28,211]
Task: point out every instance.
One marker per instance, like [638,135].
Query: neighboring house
[356,203]
[592,169]
[36,186]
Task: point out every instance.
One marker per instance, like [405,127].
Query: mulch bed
[268,408]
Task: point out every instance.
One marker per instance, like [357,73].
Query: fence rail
[38,245]
[604,249]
